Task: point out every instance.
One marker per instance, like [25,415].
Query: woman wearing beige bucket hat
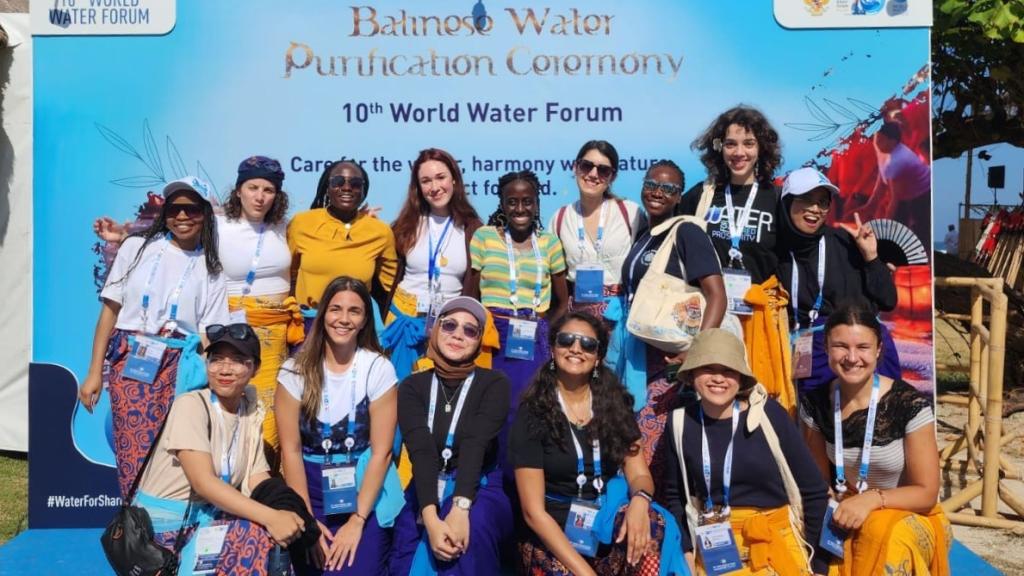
[741,509]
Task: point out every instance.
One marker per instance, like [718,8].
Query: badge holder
[737,283]
[579,526]
[144,359]
[832,537]
[717,545]
[339,482]
[237,316]
[589,286]
[803,354]
[209,544]
[521,343]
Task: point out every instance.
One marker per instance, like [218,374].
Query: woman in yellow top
[336,238]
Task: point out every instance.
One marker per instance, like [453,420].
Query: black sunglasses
[190,210]
[450,325]
[215,332]
[604,171]
[566,340]
[355,182]
[665,188]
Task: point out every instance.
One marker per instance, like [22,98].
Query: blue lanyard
[350,437]
[812,315]
[449,440]
[581,475]
[513,283]
[705,455]
[737,222]
[581,237]
[172,321]
[869,434]
[228,453]
[251,276]
[433,270]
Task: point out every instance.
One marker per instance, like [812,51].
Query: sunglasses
[664,187]
[806,201]
[355,182]
[190,210]
[215,332]
[566,340]
[584,167]
[449,325]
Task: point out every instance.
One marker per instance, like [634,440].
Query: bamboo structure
[982,436]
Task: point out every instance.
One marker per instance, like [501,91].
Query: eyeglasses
[190,210]
[566,340]
[355,182]
[806,201]
[229,361]
[604,171]
[666,188]
[449,325]
[215,332]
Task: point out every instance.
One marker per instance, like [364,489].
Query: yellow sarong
[766,337]
[767,542]
[897,542]
[277,324]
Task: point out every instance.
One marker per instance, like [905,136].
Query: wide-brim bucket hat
[717,346]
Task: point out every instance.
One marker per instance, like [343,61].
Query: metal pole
[967,183]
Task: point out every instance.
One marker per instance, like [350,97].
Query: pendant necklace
[447,400]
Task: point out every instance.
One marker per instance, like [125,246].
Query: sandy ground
[1004,549]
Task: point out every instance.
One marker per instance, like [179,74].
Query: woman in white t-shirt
[164,288]
[337,410]
[432,235]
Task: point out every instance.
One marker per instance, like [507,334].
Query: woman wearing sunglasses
[207,462]
[648,377]
[821,266]
[163,289]
[254,253]
[337,412]
[572,435]
[740,151]
[337,238]
[456,516]
[739,474]
[597,231]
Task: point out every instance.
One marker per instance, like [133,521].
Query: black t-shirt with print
[692,247]
[759,234]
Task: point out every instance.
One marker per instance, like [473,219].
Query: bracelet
[881,496]
[360,516]
[643,494]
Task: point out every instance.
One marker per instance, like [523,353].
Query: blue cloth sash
[632,370]
[191,367]
[389,501]
[403,338]
[423,562]
[167,514]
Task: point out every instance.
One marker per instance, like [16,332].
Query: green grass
[13,494]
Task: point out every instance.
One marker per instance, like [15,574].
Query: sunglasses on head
[604,171]
[666,188]
[190,210]
[355,182]
[450,325]
[566,339]
[215,332]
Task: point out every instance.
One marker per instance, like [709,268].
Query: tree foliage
[977,75]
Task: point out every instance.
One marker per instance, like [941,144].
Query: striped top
[489,255]
[901,410]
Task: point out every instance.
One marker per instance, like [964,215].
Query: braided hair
[498,218]
[671,166]
[322,200]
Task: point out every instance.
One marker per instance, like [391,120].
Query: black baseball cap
[241,337]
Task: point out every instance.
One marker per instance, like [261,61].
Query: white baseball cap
[189,184]
[803,180]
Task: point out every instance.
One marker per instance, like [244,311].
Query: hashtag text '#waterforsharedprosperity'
[83,501]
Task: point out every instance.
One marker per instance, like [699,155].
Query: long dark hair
[498,218]
[613,423]
[309,362]
[207,237]
[321,200]
[769,152]
[407,225]
[605,148]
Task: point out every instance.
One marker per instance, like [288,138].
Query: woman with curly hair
[741,152]
[573,433]
[432,234]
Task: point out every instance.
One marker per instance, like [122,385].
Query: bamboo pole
[972,520]
[974,404]
[1012,501]
[994,407]
[963,497]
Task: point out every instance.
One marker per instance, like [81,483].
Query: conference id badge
[737,283]
[589,285]
[718,548]
[339,486]
[579,526]
[832,538]
[238,316]
[803,354]
[522,339]
[144,359]
[422,305]
[209,543]
[442,483]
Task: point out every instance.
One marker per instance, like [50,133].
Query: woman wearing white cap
[456,513]
[822,266]
[163,290]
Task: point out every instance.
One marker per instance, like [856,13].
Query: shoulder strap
[179,540]
[707,195]
[757,416]
[678,424]
[558,222]
[625,215]
[145,463]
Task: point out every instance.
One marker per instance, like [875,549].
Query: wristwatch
[462,502]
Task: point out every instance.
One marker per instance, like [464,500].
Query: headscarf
[443,367]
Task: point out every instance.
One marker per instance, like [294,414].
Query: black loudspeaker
[997,177]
